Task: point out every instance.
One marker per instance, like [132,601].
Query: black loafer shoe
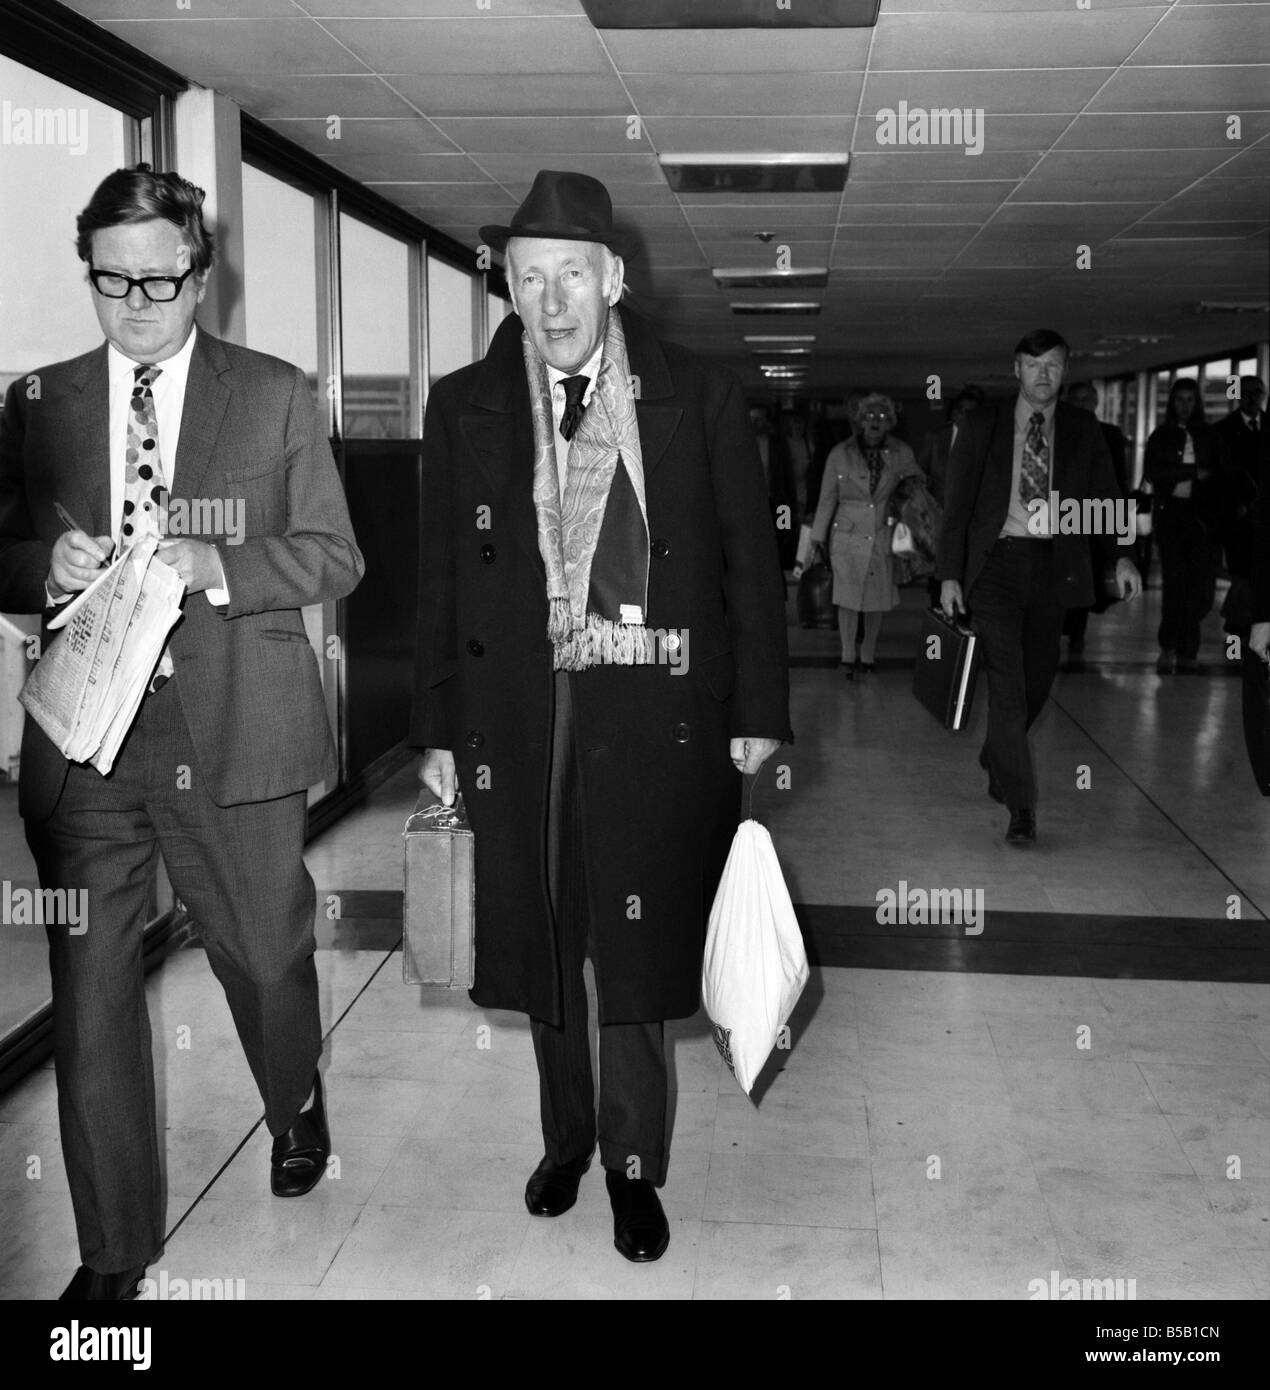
[1022,831]
[553,1187]
[300,1153]
[90,1287]
[640,1229]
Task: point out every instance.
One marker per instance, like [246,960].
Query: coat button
[661,549]
[475,739]
[489,554]
[680,733]
[475,647]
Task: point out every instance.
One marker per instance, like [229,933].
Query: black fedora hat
[563,206]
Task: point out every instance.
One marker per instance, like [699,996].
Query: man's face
[1184,405]
[1084,397]
[1251,395]
[138,327]
[759,422]
[1040,377]
[562,291]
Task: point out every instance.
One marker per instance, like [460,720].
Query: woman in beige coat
[855,495]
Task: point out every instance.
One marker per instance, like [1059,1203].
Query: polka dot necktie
[145,489]
[1034,476]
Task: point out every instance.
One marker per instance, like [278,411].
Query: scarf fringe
[600,641]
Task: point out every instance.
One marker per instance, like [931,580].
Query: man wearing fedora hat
[601,654]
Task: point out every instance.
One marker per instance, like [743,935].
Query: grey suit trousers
[239,871]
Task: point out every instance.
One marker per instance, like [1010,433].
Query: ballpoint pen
[71,524]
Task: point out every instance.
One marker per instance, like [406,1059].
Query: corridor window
[497,309]
[375,311]
[280,271]
[450,335]
[60,144]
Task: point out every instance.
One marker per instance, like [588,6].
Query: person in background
[1018,578]
[1084,396]
[855,495]
[1182,460]
[937,446]
[1243,438]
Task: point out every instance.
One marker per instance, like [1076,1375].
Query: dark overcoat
[660,794]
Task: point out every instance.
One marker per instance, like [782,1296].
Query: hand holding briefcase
[439,908]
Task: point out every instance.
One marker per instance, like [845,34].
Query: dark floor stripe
[1097,945]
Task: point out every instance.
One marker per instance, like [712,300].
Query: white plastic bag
[755,966]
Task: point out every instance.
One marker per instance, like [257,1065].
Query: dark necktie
[1034,476]
[574,390]
[875,461]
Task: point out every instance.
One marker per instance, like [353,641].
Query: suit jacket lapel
[83,486]
[1060,473]
[206,400]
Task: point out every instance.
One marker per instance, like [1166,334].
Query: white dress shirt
[169,404]
[591,368]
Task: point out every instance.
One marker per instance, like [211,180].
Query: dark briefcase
[439,909]
[815,597]
[947,665]
[1256,703]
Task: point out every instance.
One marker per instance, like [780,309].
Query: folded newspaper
[88,686]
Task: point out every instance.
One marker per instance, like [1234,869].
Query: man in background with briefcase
[1010,472]
[601,652]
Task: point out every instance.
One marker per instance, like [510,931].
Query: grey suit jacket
[246,676]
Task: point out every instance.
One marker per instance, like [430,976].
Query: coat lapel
[657,422]
[206,400]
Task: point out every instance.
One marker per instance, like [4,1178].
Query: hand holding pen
[78,558]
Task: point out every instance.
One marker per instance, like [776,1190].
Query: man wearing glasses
[232,730]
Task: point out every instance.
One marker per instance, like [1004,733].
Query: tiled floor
[930,1133]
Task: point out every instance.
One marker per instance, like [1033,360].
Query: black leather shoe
[300,1153]
[866,668]
[553,1187]
[640,1230]
[90,1287]
[1022,829]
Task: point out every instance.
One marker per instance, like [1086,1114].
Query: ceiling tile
[408,168]
[549,136]
[99,11]
[535,94]
[1054,39]
[997,92]
[770,216]
[666,95]
[1160,131]
[946,194]
[1099,165]
[313,97]
[1212,35]
[443,9]
[621,168]
[473,45]
[366,136]
[205,49]
[1221,89]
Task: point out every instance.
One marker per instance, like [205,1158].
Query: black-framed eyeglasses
[159,289]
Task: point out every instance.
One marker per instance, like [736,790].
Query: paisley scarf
[594,544]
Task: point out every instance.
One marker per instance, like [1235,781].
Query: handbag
[815,598]
[902,540]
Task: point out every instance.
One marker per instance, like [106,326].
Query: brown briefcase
[439,910]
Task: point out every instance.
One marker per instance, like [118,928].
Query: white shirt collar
[590,368]
[177,365]
[1024,410]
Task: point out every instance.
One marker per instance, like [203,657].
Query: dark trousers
[1019,619]
[239,871]
[1188,563]
[632,1101]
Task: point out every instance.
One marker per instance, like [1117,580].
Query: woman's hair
[141,195]
[1185,383]
[875,400]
